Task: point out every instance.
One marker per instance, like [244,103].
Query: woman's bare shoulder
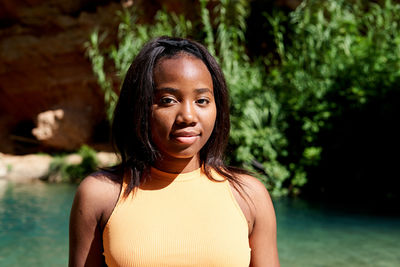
[253,188]
[252,197]
[257,196]
[262,236]
[101,178]
[99,183]
[93,203]
[98,192]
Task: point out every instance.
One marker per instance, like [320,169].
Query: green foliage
[9,168]
[335,56]
[255,136]
[93,51]
[75,173]
[61,171]
[57,165]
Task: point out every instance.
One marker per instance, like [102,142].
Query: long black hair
[131,131]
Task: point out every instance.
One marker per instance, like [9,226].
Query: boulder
[65,129]
[23,168]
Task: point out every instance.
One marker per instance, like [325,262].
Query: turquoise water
[311,235]
[34,231]
[34,224]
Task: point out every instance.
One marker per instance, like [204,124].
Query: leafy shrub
[61,171]
[75,173]
[337,61]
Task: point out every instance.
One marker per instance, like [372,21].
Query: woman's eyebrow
[203,90]
[166,90]
[174,90]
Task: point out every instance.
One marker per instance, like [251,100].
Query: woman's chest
[167,228]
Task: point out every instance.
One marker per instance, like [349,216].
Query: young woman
[172,201]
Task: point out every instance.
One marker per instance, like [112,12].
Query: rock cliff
[43,68]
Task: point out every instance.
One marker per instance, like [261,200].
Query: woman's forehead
[182,69]
[175,57]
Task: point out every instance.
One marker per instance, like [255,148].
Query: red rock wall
[43,64]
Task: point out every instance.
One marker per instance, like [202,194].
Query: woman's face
[184,110]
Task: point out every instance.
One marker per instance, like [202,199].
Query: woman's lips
[185,137]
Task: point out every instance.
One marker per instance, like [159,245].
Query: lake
[34,231]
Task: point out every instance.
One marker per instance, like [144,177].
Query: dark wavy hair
[131,131]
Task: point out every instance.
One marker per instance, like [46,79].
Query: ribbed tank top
[177,220]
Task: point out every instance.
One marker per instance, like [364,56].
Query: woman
[172,201]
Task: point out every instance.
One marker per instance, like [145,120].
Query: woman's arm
[257,207]
[94,200]
[262,239]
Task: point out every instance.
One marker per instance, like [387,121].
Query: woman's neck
[177,165]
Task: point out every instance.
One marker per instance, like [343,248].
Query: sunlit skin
[183,112]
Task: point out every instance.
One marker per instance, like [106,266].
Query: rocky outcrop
[43,66]
[24,168]
[62,129]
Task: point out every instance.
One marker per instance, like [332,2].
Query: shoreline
[33,167]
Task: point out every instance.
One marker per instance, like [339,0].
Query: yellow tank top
[177,220]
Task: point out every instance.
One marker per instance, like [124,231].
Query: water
[34,231]
[311,235]
[34,224]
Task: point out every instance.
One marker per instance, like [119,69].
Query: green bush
[334,59]
[61,171]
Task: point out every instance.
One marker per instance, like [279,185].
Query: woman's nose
[187,114]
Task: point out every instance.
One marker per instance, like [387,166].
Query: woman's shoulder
[98,193]
[249,185]
[255,195]
[253,187]
[262,231]
[99,182]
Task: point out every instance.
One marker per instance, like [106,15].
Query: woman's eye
[203,101]
[167,100]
